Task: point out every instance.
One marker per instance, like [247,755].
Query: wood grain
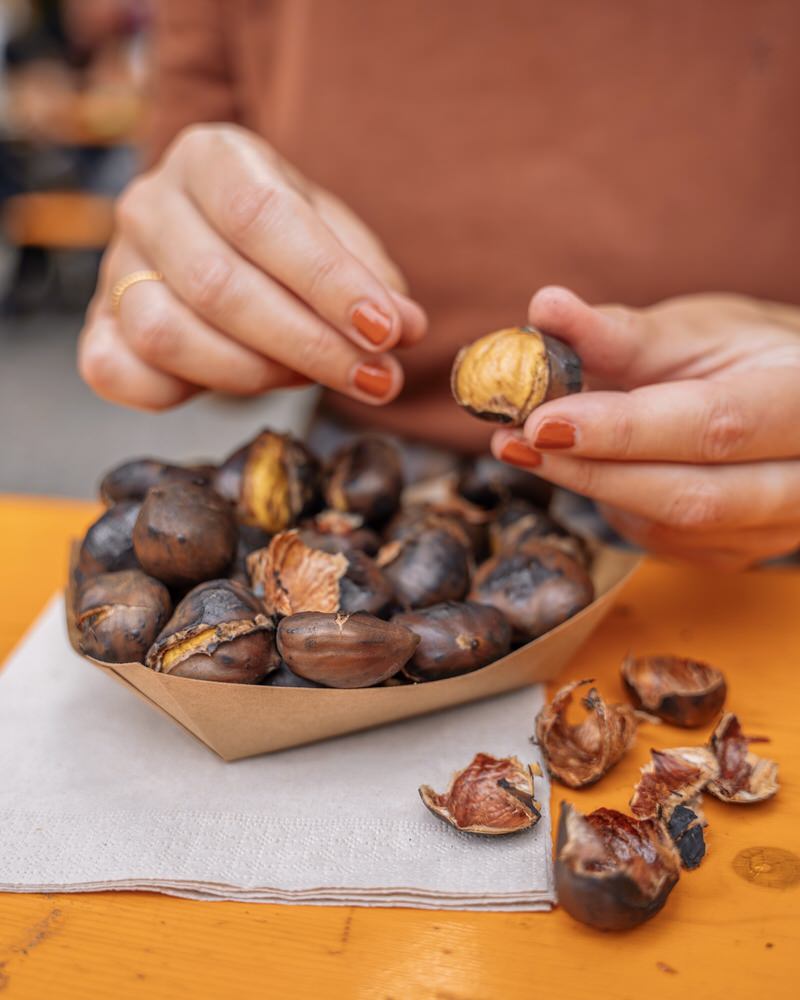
[721,935]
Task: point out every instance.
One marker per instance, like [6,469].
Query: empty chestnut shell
[581,754]
[491,796]
[429,566]
[118,615]
[107,546]
[505,375]
[365,477]
[219,632]
[612,871]
[744,777]
[489,483]
[337,531]
[344,651]
[132,479]
[680,691]
[536,589]
[273,481]
[184,534]
[454,638]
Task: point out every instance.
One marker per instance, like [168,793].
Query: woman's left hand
[689,435]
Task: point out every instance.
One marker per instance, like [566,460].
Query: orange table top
[724,933]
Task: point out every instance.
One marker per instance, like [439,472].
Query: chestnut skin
[454,638]
[219,632]
[365,477]
[107,546]
[184,534]
[536,589]
[680,691]
[429,566]
[131,480]
[118,615]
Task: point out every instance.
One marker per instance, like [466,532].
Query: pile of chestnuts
[276,567]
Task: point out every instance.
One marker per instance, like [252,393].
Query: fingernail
[518,453]
[372,322]
[555,434]
[372,379]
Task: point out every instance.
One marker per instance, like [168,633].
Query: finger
[272,225]
[414,320]
[233,296]
[685,497]
[756,416]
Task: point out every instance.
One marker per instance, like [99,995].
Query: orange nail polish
[372,322]
[555,434]
[372,379]
[518,453]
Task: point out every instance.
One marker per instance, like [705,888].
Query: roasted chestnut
[489,483]
[219,632]
[273,481]
[438,500]
[118,615]
[514,529]
[505,375]
[581,754]
[612,872]
[132,479]
[344,651]
[365,477]
[454,638]
[744,777]
[536,589]
[429,566]
[184,534]
[364,586]
[490,796]
[337,531]
[250,539]
[108,544]
[680,691]
[283,677]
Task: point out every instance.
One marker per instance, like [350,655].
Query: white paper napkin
[101,792]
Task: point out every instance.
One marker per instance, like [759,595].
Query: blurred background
[73,77]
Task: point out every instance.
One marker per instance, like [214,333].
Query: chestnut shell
[429,566]
[365,477]
[683,692]
[107,546]
[118,615]
[744,777]
[132,479]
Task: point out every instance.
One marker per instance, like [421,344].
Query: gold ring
[125,283]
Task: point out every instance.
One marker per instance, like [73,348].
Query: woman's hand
[689,437]
[268,283]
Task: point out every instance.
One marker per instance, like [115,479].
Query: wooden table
[721,935]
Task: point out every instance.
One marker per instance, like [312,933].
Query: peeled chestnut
[219,632]
[338,531]
[612,872]
[344,651]
[505,375]
[273,481]
[184,534]
[118,615]
[488,483]
[536,588]
[491,796]
[365,477]
[744,777]
[429,566]
[581,754]
[132,479]
[108,544]
[680,691]
[454,638]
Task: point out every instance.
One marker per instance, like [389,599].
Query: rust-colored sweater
[632,150]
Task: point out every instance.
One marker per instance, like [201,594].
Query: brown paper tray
[241,720]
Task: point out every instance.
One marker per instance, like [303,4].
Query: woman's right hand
[269,282]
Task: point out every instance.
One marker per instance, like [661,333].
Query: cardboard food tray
[242,720]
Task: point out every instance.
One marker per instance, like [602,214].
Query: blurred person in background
[328,181]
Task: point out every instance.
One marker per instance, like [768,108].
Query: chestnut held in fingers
[612,872]
[581,754]
[219,632]
[273,481]
[454,638]
[132,479]
[344,651]
[429,566]
[536,589]
[487,482]
[118,615]
[490,796]
[680,691]
[184,534]
[108,544]
[505,375]
[744,777]
[365,477]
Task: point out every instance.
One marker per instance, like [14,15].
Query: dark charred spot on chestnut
[365,477]
[118,615]
[681,691]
